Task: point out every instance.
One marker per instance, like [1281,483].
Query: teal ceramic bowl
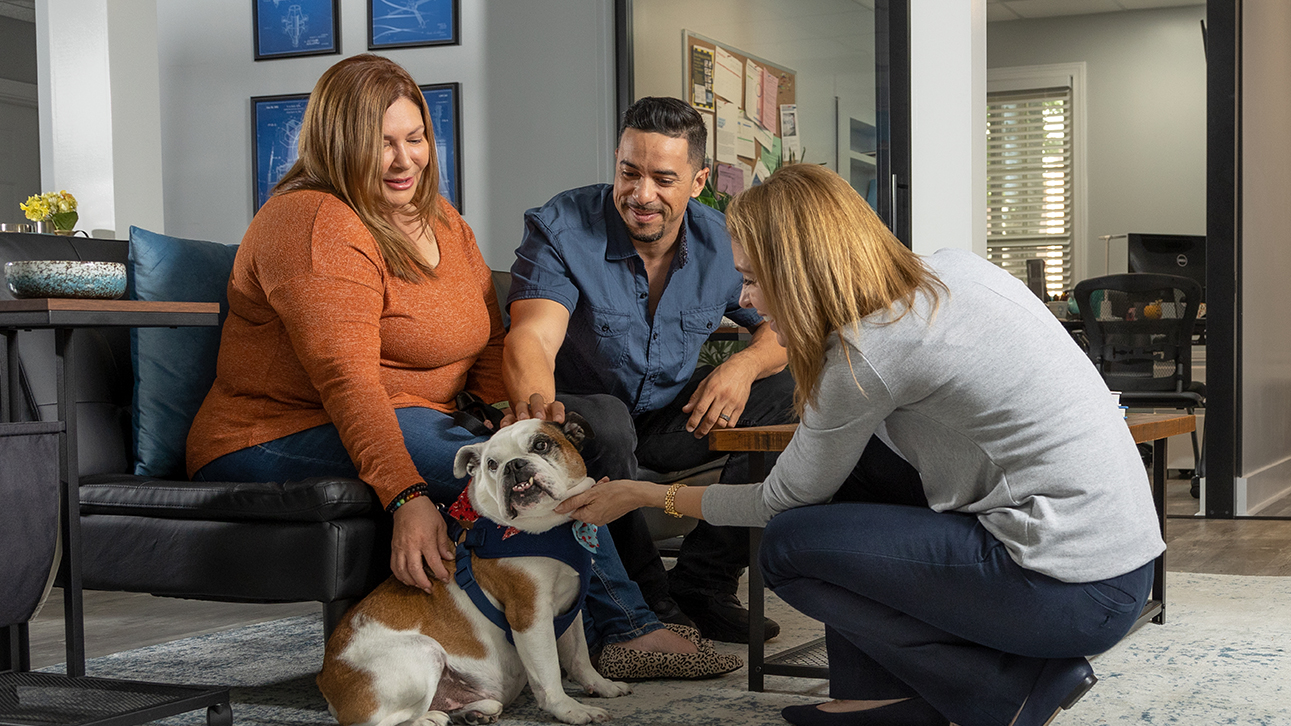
[66,278]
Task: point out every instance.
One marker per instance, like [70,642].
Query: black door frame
[1223,253]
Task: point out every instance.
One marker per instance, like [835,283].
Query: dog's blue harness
[487,539]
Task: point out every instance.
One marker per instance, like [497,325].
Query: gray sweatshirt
[999,410]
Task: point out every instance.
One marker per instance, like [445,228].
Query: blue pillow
[173,367]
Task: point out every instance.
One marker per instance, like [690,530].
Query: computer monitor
[1169,254]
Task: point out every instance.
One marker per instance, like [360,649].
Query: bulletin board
[750,135]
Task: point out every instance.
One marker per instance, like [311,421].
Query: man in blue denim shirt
[614,289]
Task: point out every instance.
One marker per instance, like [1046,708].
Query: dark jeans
[711,558]
[917,602]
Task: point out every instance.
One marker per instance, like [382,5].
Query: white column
[76,106]
[136,116]
[948,124]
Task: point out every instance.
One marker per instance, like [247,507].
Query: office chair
[1139,330]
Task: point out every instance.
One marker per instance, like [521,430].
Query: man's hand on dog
[536,407]
[608,500]
[420,544]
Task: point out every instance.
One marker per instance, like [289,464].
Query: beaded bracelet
[407,495]
[670,501]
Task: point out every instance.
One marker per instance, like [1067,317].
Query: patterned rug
[1221,658]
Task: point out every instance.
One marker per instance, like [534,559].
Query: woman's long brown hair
[823,261]
[341,147]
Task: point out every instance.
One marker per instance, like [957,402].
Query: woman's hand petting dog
[608,500]
[420,544]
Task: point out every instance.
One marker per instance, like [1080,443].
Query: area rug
[1220,658]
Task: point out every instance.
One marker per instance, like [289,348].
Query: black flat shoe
[722,617]
[668,612]
[910,712]
[1062,682]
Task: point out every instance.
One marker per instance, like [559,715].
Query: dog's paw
[481,712]
[433,718]
[574,712]
[605,688]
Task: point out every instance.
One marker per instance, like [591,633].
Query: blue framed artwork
[275,126]
[411,23]
[445,104]
[290,28]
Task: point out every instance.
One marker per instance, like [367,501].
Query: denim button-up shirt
[577,252]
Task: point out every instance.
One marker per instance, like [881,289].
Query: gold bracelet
[670,501]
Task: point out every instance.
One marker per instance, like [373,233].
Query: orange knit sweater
[320,331]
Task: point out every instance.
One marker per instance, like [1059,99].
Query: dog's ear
[467,461]
[577,430]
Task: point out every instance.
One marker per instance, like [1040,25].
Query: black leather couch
[323,540]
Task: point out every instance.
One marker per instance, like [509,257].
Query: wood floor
[117,621]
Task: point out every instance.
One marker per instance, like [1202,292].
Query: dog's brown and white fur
[406,656]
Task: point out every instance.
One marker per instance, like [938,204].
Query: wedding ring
[725,417]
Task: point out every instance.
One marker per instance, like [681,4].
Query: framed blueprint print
[290,28]
[275,126]
[445,103]
[410,23]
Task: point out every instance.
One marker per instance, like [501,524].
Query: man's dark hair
[670,117]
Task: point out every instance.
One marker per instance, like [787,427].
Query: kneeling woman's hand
[608,500]
[420,544]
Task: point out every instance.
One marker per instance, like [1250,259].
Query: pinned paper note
[730,178]
[770,101]
[712,135]
[728,77]
[744,138]
[727,122]
[701,78]
[792,146]
[752,90]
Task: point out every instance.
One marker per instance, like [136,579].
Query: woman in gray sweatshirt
[962,504]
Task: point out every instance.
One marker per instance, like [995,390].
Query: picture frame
[413,23]
[275,131]
[444,101]
[296,28]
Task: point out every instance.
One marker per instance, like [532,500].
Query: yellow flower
[37,208]
[57,207]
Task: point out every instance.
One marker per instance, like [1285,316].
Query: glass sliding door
[816,81]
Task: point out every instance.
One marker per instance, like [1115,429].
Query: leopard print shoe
[619,663]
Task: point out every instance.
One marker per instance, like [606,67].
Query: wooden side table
[75,698]
[809,660]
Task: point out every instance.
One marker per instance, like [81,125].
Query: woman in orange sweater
[359,307]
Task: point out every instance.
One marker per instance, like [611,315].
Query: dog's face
[526,469]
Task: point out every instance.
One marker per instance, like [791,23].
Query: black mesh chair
[1139,329]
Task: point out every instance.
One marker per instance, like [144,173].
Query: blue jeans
[614,612]
[918,602]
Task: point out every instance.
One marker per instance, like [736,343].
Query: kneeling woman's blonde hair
[823,260]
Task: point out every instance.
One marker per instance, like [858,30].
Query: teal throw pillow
[173,367]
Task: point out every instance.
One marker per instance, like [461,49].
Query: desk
[146,702]
[809,660]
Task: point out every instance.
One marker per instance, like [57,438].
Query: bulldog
[511,615]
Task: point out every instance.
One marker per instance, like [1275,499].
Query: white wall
[76,106]
[138,188]
[829,44]
[948,125]
[537,106]
[1146,111]
[1265,259]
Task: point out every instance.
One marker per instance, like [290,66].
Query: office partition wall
[1248,224]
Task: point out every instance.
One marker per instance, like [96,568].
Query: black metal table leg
[69,468]
[757,603]
[1158,501]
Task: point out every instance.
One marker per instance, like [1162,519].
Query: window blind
[1029,182]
